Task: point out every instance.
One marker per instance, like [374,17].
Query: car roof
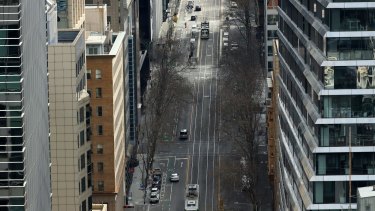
[174,174]
[183,130]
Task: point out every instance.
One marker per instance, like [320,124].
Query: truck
[205,30]
[192,197]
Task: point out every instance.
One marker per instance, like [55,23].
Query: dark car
[156,184]
[193,18]
[198,8]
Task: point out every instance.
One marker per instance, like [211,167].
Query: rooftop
[67,36]
[366,192]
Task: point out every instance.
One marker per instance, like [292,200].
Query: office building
[105,79]
[70,14]
[326,103]
[69,108]
[115,12]
[24,142]
[270,31]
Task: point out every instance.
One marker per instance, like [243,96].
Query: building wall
[34,107]
[67,104]
[71,14]
[113,138]
[326,103]
[114,12]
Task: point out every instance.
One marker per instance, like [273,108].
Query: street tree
[245,18]
[168,90]
[242,82]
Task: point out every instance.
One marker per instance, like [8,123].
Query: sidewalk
[136,192]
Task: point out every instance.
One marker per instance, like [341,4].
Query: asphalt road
[204,157]
[196,159]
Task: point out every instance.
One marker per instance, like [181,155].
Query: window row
[98,74]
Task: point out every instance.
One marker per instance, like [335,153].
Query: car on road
[193,18]
[174,177]
[154,190]
[198,8]
[184,134]
[154,197]
[234,46]
[233,4]
[156,183]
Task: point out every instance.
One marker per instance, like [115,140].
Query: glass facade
[310,92]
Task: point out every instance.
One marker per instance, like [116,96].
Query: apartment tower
[69,108]
[24,141]
[270,31]
[326,102]
[105,78]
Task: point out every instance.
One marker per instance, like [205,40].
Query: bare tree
[244,17]
[242,82]
[168,90]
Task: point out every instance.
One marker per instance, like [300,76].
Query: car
[156,184]
[154,197]
[174,177]
[154,190]
[184,134]
[233,4]
[234,46]
[198,8]
[193,18]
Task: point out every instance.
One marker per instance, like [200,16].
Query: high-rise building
[24,142]
[326,103]
[270,24]
[105,78]
[70,14]
[69,108]
[115,12]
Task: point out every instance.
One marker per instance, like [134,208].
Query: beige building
[69,123]
[70,14]
[69,109]
[114,12]
[105,80]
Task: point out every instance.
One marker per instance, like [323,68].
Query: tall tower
[326,103]
[69,108]
[24,145]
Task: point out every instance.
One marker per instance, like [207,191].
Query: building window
[107,2]
[81,114]
[83,184]
[100,129]
[100,185]
[98,74]
[88,73]
[82,137]
[98,92]
[93,50]
[83,163]
[100,167]
[84,206]
[89,201]
[99,149]
[99,111]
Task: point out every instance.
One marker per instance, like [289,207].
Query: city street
[204,158]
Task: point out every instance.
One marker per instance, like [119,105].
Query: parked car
[193,18]
[154,190]
[154,197]
[156,184]
[233,4]
[184,134]
[198,8]
[174,177]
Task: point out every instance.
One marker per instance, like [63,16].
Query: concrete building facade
[105,76]
[70,14]
[24,131]
[69,122]
[326,103]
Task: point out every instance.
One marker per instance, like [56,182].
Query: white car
[233,4]
[154,190]
[154,197]
[174,177]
